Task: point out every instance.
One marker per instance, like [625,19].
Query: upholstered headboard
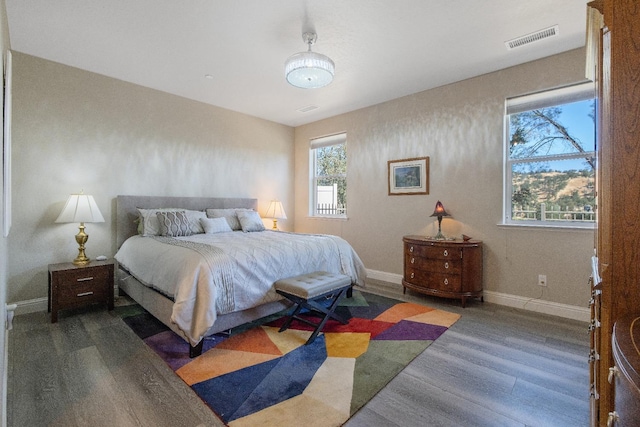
[127,209]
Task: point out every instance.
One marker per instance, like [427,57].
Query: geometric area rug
[259,377]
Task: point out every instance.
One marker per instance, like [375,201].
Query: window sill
[333,217]
[541,226]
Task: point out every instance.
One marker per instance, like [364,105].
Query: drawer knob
[446,253]
[413,260]
[612,419]
[446,281]
[411,249]
[412,275]
[84,294]
[613,372]
[84,279]
[446,265]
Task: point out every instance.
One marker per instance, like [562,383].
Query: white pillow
[148,224]
[229,214]
[215,225]
[250,221]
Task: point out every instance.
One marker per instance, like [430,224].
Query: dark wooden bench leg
[327,314]
[195,351]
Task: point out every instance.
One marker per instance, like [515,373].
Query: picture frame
[408,176]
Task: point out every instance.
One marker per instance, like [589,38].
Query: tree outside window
[329,172]
[550,165]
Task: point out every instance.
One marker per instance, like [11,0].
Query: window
[550,158]
[328,163]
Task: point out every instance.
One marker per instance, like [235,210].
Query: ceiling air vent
[533,37]
[307,108]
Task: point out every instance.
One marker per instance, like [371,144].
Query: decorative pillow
[215,225]
[250,221]
[194,218]
[229,214]
[148,220]
[174,224]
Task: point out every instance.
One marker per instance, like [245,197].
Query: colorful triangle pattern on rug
[259,376]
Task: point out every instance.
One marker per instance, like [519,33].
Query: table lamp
[439,212]
[276,212]
[80,208]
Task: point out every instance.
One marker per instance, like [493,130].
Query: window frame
[314,144]
[549,98]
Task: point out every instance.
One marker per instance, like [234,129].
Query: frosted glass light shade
[309,70]
[80,208]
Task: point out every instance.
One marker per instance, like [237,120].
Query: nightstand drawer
[83,292]
[85,275]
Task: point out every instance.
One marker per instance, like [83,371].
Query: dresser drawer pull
[446,253]
[412,275]
[413,260]
[612,419]
[84,279]
[613,372]
[84,294]
[446,281]
[446,265]
[411,249]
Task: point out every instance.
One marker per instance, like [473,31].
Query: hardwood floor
[495,367]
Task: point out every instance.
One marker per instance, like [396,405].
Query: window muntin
[328,160]
[550,158]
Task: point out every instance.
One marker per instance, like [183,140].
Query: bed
[203,283]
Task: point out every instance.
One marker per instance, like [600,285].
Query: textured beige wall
[460,127]
[75,130]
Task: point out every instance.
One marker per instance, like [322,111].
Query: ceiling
[383,49]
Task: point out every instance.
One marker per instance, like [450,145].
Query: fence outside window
[331,209]
[554,213]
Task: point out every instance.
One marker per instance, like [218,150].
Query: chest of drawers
[72,286]
[444,268]
[625,374]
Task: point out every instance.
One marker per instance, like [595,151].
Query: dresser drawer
[447,266]
[438,281]
[432,252]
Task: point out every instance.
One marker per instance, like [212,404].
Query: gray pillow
[229,214]
[173,224]
[250,221]
[215,225]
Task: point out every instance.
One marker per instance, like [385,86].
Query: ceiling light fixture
[309,70]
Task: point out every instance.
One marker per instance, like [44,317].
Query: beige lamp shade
[276,212]
[80,208]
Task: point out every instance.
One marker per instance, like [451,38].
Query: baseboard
[516,301]
[31,306]
[539,306]
[532,304]
[384,276]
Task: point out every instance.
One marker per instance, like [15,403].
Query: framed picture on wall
[409,176]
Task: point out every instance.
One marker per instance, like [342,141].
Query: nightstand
[73,286]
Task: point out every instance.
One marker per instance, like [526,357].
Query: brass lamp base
[275,224]
[81,238]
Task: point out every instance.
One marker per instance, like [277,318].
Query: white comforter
[211,274]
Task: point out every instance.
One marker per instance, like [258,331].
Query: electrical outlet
[542,280]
